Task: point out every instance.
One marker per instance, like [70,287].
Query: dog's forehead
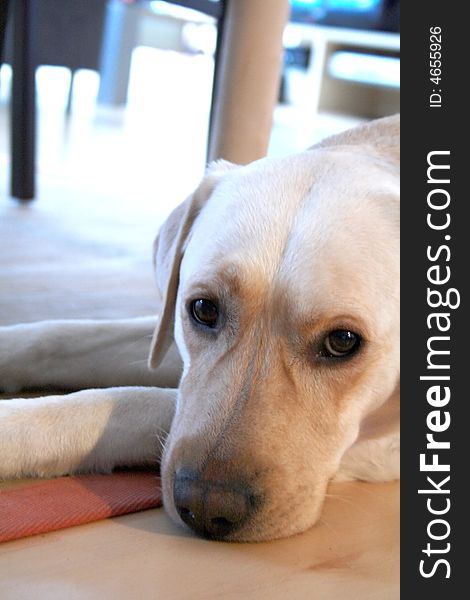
[262,203]
[303,223]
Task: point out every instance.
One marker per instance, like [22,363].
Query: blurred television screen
[381,15]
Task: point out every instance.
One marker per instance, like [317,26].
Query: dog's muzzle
[214,509]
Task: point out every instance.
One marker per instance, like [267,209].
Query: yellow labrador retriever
[279,282]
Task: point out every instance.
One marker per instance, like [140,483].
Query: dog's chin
[273,524]
[256,532]
[260,533]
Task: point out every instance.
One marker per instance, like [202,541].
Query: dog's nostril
[186,514]
[221,522]
[220,527]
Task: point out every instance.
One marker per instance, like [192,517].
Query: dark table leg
[3,25]
[23,103]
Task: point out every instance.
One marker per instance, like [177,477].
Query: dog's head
[280,282]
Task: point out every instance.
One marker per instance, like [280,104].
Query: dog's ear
[168,252]
[381,134]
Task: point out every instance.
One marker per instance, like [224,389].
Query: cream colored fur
[292,248]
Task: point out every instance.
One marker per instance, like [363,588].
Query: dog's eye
[205,312]
[340,343]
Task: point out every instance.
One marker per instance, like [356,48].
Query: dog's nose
[212,508]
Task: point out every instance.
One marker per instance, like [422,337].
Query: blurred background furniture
[158,24]
[347,53]
[44,32]
[47,32]
[349,71]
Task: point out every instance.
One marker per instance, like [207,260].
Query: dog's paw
[24,451]
[14,462]
[10,455]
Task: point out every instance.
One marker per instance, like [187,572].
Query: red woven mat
[58,503]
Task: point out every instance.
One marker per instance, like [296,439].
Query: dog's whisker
[161,437]
[143,361]
[161,430]
[335,531]
[341,498]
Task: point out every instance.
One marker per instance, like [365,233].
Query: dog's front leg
[87,431]
[82,354]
